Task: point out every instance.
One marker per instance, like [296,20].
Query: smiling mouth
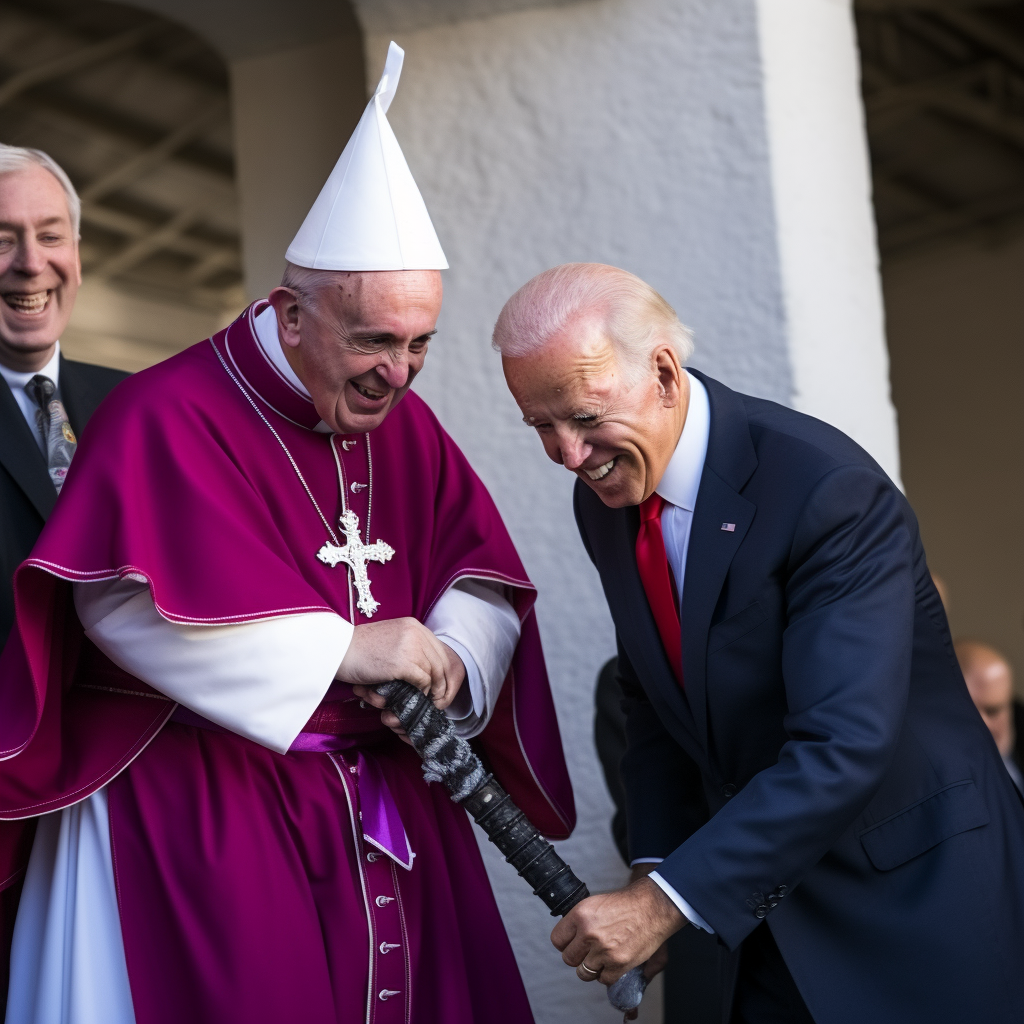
[368,393]
[602,471]
[28,302]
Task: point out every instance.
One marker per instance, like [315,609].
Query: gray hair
[17,158]
[636,316]
[304,281]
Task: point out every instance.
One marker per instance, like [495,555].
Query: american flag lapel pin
[729,527]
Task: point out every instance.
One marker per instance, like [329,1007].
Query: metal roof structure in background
[136,109]
[943,84]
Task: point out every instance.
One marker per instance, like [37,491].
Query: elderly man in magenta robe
[252,535]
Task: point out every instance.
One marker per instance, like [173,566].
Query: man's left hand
[613,932]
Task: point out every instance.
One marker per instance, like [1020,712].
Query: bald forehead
[985,670]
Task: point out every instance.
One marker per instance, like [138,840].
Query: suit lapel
[708,559]
[70,388]
[729,463]
[20,456]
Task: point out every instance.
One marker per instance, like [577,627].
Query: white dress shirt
[16,381]
[679,486]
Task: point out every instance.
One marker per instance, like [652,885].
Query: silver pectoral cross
[355,554]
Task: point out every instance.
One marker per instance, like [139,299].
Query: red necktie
[652,562]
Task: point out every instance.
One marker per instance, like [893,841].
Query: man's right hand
[401,649]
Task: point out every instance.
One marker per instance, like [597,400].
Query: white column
[629,133]
[821,182]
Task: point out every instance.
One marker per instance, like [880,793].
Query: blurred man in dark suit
[990,684]
[45,399]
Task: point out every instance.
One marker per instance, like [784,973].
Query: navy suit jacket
[825,769]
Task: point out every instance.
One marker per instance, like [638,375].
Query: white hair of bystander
[17,158]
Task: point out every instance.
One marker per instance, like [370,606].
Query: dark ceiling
[943,85]
[136,109]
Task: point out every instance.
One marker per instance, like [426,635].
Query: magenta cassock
[247,892]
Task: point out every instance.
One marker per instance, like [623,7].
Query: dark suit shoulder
[818,446]
[83,386]
[91,375]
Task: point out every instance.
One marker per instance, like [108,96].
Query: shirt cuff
[468,707]
[684,908]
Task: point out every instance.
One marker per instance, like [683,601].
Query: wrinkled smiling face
[39,268]
[616,438]
[360,343]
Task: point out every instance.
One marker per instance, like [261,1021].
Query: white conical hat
[370,214]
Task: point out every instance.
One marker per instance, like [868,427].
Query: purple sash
[334,727]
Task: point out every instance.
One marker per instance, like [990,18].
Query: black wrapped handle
[525,848]
[449,759]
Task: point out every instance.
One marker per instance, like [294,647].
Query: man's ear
[286,306]
[670,375]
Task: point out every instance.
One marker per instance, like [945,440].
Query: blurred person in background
[45,399]
[990,683]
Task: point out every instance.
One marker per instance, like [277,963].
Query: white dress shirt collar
[17,379]
[681,480]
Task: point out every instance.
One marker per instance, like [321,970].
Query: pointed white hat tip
[370,214]
[388,84]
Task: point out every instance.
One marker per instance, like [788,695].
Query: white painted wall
[826,229]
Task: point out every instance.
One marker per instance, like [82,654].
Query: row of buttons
[378,874]
[763,902]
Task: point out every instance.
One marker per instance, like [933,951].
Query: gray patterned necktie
[54,428]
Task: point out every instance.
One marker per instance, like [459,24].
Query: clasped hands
[607,935]
[400,649]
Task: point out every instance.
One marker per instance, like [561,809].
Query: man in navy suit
[805,772]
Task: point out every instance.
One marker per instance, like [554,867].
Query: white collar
[270,342]
[681,480]
[17,379]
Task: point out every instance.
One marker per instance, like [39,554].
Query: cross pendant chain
[355,554]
